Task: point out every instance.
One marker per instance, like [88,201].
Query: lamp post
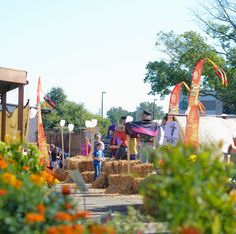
[91,124]
[102,104]
[153,110]
[62,124]
[70,128]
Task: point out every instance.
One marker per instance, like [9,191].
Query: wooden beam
[4,107]
[13,75]
[20,110]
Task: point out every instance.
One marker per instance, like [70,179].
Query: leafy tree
[156,111]
[115,113]
[185,50]
[71,112]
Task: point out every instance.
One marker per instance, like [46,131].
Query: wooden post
[20,110]
[4,106]
[128,154]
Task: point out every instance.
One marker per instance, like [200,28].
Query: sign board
[171,135]
[79,180]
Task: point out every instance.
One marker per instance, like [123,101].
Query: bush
[190,192]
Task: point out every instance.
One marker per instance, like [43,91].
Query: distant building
[213,106]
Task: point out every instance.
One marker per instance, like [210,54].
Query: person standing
[161,132]
[86,147]
[98,157]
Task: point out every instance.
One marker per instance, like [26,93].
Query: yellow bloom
[37,179]
[192,157]
[232,195]
[9,178]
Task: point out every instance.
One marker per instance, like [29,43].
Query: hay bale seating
[88,176]
[101,181]
[80,163]
[142,170]
[137,182]
[61,174]
[120,184]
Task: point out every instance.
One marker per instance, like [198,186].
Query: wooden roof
[11,79]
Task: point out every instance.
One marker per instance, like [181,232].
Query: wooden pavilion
[11,79]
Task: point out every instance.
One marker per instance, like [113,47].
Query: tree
[71,112]
[115,113]
[185,50]
[156,111]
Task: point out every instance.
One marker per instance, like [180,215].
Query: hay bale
[72,163]
[120,184]
[142,169]
[88,176]
[137,182]
[118,166]
[101,181]
[61,174]
[86,165]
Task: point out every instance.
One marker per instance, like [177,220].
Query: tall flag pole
[41,139]
[191,132]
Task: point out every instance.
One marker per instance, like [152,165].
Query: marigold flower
[63,216]
[37,179]
[190,230]
[192,157]
[3,192]
[68,205]
[65,229]
[9,178]
[161,162]
[3,164]
[25,168]
[34,217]
[11,161]
[41,208]
[232,195]
[49,179]
[17,184]
[78,229]
[101,229]
[52,230]
[82,214]
[66,190]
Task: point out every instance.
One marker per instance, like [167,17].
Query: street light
[153,110]
[91,124]
[102,104]
[70,128]
[62,124]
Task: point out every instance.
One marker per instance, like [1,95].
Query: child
[85,147]
[98,157]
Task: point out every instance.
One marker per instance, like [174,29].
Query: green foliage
[115,113]
[191,190]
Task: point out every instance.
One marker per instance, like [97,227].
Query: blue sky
[89,46]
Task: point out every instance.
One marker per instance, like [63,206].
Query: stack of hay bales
[115,175]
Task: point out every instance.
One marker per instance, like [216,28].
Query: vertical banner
[41,139]
[175,98]
[192,124]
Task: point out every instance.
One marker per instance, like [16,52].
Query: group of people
[139,140]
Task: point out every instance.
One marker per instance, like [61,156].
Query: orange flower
[11,161]
[66,190]
[52,230]
[68,205]
[65,229]
[9,178]
[190,230]
[3,192]
[37,179]
[161,162]
[63,216]
[82,214]
[101,229]
[41,208]
[34,217]
[78,229]
[17,184]
[232,195]
[3,164]
[49,179]
[25,168]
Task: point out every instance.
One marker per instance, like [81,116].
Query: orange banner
[192,123]
[175,97]
[41,139]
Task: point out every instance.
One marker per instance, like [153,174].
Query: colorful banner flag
[193,103]
[192,124]
[41,139]
[175,97]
